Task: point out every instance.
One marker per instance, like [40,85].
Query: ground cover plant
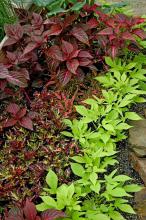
[58,121]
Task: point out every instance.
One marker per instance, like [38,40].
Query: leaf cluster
[98,194]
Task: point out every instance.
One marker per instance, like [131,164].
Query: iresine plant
[98,192]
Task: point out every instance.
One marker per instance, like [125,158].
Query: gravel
[125,168]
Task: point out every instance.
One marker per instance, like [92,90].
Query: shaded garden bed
[59,126]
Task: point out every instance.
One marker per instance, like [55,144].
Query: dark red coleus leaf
[69,20]
[12,57]
[128,36]
[3,84]
[15,214]
[72,65]
[14,31]
[64,76]
[84,61]
[9,41]
[4,73]
[30,210]
[26,122]
[55,29]
[92,23]
[30,47]
[37,20]
[52,214]
[67,48]
[18,78]
[55,53]
[13,108]
[80,34]
[21,113]
[138,20]
[92,8]
[106,31]
[85,54]
[140,33]
[9,122]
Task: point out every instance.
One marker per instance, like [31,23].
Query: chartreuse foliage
[97,194]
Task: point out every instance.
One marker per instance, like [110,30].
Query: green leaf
[49,201]
[78,159]
[67,122]
[71,190]
[102,79]
[123,126]
[118,192]
[96,188]
[78,6]
[131,65]
[133,188]
[126,208]
[77,169]
[82,110]
[132,116]
[42,207]
[93,178]
[52,179]
[116,215]
[56,11]
[109,127]
[100,217]
[66,133]
[109,61]
[43,3]
[121,178]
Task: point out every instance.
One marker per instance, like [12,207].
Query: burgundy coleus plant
[28,212]
[17,116]
[118,33]
[71,58]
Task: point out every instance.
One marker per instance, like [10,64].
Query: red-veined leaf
[128,36]
[140,33]
[30,47]
[55,29]
[85,54]
[13,108]
[9,41]
[30,210]
[4,73]
[15,214]
[55,53]
[26,122]
[84,61]
[17,78]
[37,20]
[80,34]
[69,20]
[72,65]
[14,31]
[3,84]
[52,214]
[11,56]
[64,76]
[74,54]
[67,48]
[9,123]
[92,23]
[106,31]
[21,113]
